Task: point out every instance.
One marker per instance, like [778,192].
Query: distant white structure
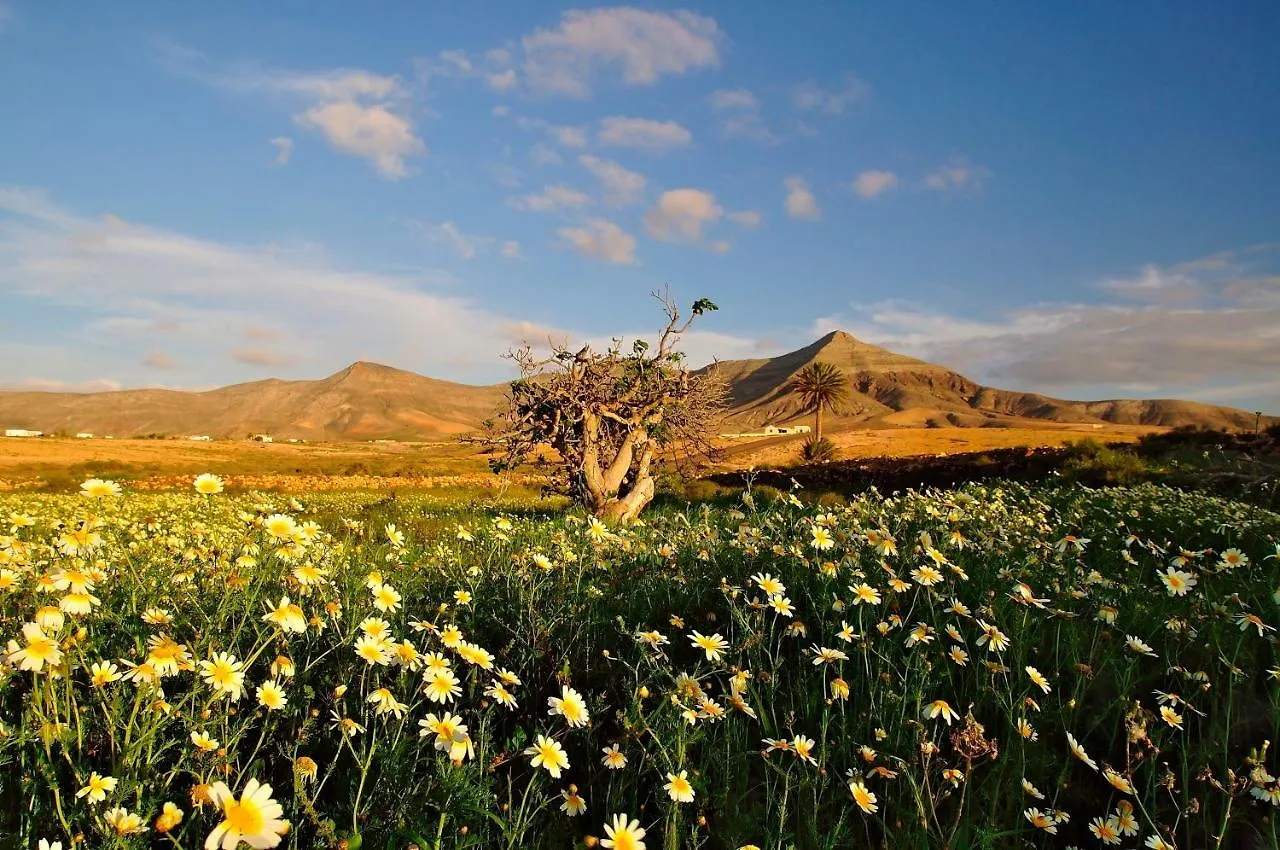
[22,432]
[787,429]
[262,438]
[772,431]
[200,438]
[84,435]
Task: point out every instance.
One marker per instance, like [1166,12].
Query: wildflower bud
[590,841]
[643,692]
[465,829]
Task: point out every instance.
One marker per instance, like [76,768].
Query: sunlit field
[987,667]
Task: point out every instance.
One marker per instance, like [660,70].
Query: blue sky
[1081,199]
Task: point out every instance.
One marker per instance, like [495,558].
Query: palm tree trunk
[817,423]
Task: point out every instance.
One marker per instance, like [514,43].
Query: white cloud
[511,250]
[456,61]
[739,112]
[725,99]
[749,219]
[621,185]
[569,137]
[800,201]
[810,96]
[681,214]
[372,132]
[564,135]
[721,246]
[140,278]
[284,149]
[642,133]
[551,198]
[958,175]
[210,298]
[339,84]
[1214,340]
[448,233]
[500,111]
[641,45]
[359,112]
[502,80]
[868,184]
[601,240]
[541,155]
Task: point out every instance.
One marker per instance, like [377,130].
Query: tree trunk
[623,509]
[817,423]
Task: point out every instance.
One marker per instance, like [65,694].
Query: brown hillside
[888,389]
[366,401]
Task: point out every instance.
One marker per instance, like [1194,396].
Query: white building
[262,438]
[201,438]
[84,435]
[22,432]
[787,429]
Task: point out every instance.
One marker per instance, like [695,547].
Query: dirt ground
[62,463]
[855,443]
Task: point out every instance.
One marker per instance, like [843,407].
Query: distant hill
[888,389]
[364,401]
[367,401]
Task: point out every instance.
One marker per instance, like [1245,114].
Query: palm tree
[821,385]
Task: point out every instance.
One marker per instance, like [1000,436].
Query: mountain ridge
[366,400]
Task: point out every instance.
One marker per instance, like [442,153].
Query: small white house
[22,432]
[786,429]
[201,438]
[262,438]
[84,435]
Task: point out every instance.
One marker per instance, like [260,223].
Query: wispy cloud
[738,111]
[600,239]
[621,185]
[636,45]
[551,199]
[834,100]
[1217,338]
[869,184]
[644,134]
[681,214]
[958,175]
[800,201]
[284,149]
[359,112]
[137,277]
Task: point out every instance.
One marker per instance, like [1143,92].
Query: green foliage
[818,450]
[1091,462]
[1071,577]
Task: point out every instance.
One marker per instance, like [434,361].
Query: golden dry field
[62,463]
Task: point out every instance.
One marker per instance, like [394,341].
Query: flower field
[985,667]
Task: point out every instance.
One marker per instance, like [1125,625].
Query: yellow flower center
[245,817]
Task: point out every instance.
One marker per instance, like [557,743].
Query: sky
[1078,199]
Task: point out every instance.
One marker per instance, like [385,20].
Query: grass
[815,693]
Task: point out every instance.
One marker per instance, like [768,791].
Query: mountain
[888,389]
[364,401]
[367,401]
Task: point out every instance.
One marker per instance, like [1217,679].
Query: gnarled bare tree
[608,415]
